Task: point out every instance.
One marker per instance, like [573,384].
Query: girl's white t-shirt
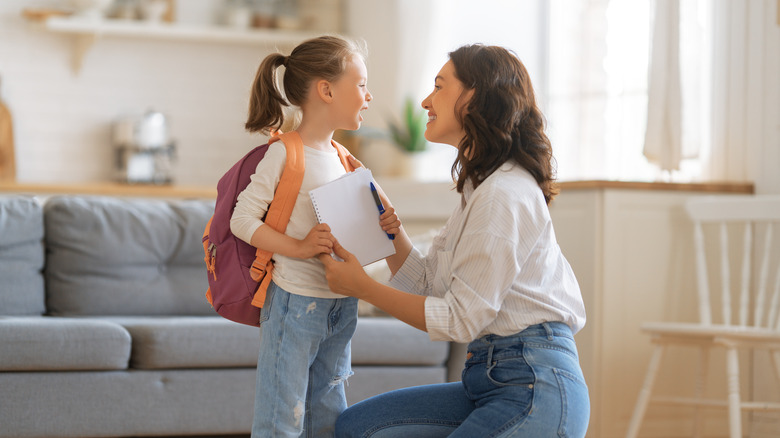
[299,276]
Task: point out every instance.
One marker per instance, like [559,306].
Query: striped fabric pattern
[496,267]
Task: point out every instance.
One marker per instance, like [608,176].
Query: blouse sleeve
[253,201]
[468,280]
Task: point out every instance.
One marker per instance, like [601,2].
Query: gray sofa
[105,331]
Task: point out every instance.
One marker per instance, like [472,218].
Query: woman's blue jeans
[525,385]
[303,363]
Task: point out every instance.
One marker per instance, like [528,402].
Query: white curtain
[663,135]
[704,88]
[737,77]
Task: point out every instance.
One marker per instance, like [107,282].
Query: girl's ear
[324,91]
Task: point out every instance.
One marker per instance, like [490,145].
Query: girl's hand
[318,241]
[347,277]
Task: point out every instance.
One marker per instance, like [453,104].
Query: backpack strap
[343,154]
[280,210]
[281,207]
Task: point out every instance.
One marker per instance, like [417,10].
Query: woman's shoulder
[510,182]
[511,191]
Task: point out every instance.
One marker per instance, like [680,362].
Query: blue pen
[380,206]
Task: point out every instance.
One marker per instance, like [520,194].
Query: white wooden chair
[742,285]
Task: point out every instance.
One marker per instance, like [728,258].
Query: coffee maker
[144,149]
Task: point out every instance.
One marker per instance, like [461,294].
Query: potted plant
[409,136]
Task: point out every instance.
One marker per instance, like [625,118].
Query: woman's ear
[324,91]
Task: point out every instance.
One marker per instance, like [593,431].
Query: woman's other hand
[389,221]
[347,277]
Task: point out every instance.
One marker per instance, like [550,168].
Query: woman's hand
[347,277]
[389,221]
[318,241]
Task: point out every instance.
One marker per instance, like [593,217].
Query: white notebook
[347,206]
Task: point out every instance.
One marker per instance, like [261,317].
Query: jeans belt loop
[490,356]
[549,331]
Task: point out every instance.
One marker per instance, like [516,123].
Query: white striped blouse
[495,267]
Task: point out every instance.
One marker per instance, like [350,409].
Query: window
[589,62]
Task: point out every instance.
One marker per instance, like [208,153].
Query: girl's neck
[315,137]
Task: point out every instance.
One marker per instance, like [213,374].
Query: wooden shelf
[86,31]
[173,31]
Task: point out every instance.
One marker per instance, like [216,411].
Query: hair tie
[284,60]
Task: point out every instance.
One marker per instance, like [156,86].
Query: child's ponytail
[266,104]
[323,57]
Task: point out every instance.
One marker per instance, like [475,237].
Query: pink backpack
[238,273]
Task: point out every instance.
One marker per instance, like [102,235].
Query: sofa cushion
[388,341]
[40,343]
[21,256]
[190,342]
[114,256]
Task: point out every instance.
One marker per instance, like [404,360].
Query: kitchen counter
[713,187]
[174,191]
[110,189]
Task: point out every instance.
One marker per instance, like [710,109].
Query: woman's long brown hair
[502,121]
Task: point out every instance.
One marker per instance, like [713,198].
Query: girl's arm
[349,278]
[318,241]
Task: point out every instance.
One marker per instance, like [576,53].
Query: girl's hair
[501,121]
[323,57]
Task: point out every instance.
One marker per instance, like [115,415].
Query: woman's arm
[390,223]
[349,278]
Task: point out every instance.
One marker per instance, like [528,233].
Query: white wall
[62,120]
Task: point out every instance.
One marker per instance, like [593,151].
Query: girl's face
[442,105]
[351,95]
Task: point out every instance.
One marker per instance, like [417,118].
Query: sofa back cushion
[21,256]
[118,256]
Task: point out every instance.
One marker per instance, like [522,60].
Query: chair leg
[701,383]
[775,356]
[735,411]
[644,394]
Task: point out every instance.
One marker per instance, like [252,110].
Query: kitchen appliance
[144,149]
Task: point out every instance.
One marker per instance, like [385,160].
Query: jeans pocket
[510,372]
[575,405]
[265,312]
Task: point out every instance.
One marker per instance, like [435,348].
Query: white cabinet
[632,251]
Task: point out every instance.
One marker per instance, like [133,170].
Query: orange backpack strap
[280,210]
[343,154]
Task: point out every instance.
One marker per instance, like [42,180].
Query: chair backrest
[737,242]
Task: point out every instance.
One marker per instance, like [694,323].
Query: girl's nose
[369,97]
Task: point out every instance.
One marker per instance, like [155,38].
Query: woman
[494,277]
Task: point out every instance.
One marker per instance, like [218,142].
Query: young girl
[494,277]
[305,328]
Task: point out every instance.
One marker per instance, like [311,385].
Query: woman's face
[443,105]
